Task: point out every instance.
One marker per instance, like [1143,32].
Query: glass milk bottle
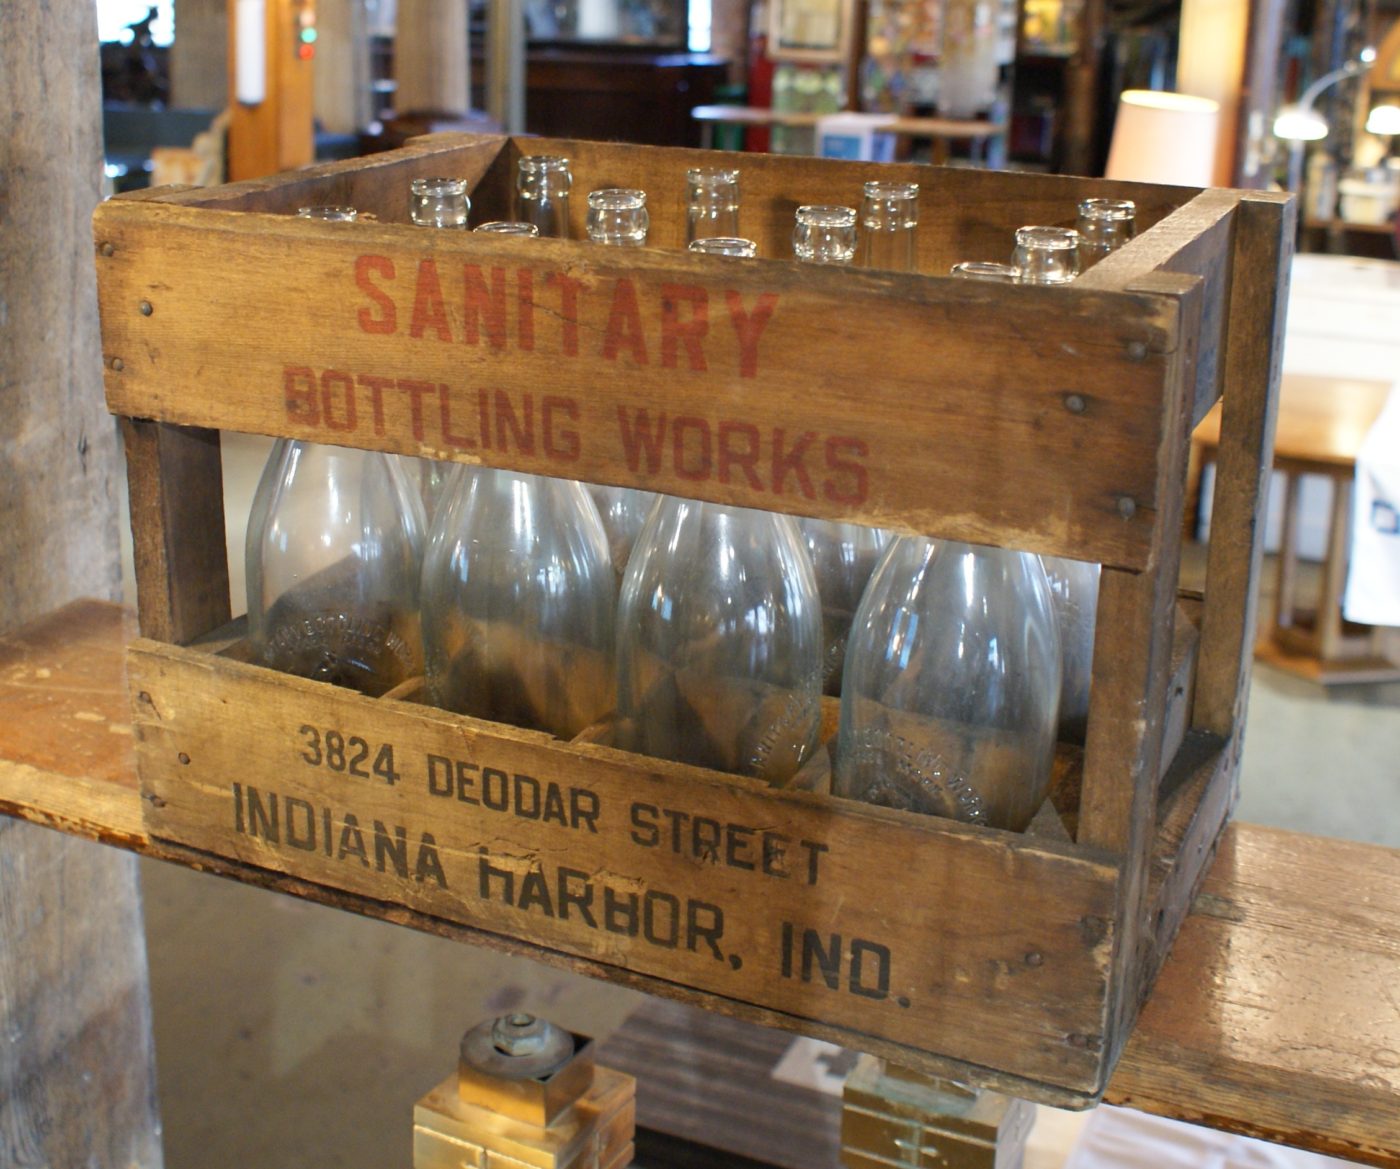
[1045,258]
[441,203]
[542,185]
[618,218]
[951,685]
[518,603]
[331,555]
[844,554]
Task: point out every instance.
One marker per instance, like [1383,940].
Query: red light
[306,52]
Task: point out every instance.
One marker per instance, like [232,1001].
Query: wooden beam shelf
[1277,1014]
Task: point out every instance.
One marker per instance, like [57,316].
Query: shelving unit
[1275,1015]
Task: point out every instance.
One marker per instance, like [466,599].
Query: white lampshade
[1164,138]
[1300,124]
[1383,120]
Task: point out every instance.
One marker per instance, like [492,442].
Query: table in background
[940,131]
[1321,424]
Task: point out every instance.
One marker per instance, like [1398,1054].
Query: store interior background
[289,1034]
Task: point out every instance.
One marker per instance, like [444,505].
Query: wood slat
[1264,235]
[1127,735]
[213,733]
[768,385]
[376,185]
[176,495]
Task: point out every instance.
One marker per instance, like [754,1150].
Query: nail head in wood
[1074,403]
[118,364]
[1126,507]
[146,309]
[107,250]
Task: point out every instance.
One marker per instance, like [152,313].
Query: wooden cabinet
[616,94]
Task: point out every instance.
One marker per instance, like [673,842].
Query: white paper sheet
[1120,1138]
[1373,578]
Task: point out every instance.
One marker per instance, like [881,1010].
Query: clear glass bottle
[843,555]
[1104,226]
[719,635]
[889,213]
[1074,585]
[333,548]
[618,216]
[951,685]
[1046,255]
[439,202]
[1074,593]
[824,234]
[719,642]
[712,203]
[623,510]
[542,184]
[518,601]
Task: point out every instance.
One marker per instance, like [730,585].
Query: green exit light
[308,36]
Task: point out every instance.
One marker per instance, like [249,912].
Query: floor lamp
[1298,122]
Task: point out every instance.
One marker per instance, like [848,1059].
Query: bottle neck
[542,186]
[1046,255]
[439,203]
[1104,225]
[618,217]
[889,214]
[825,234]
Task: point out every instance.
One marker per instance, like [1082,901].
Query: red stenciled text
[673,326]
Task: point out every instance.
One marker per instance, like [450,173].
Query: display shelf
[1274,1016]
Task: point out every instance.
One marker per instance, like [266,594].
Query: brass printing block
[570,1114]
[893,1117]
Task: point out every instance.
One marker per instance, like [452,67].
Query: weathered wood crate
[1049,419]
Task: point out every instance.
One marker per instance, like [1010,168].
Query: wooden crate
[1050,419]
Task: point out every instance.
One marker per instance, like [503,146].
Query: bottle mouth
[507,227]
[439,188]
[876,189]
[543,163]
[700,176]
[989,270]
[1115,209]
[334,214]
[721,245]
[617,199]
[1048,238]
[823,215]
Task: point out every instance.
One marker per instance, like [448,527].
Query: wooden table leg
[1285,614]
[1334,572]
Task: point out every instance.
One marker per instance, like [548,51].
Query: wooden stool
[1321,424]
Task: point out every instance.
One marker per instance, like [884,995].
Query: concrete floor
[289,1035]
